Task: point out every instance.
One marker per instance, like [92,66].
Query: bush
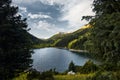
[48,75]
[71,66]
[104,76]
[78,68]
[89,67]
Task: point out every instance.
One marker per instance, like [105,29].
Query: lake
[49,58]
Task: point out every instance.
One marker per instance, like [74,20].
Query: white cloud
[35,16]
[24,1]
[44,29]
[51,2]
[23,9]
[73,12]
[44,25]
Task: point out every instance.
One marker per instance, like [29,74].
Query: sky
[48,17]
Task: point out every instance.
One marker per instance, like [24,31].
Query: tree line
[15,44]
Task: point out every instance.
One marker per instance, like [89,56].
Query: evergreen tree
[15,45]
[105,32]
[71,66]
[89,67]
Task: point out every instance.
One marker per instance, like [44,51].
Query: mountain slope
[74,40]
[69,39]
[34,39]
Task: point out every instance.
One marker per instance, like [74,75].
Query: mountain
[57,36]
[34,39]
[71,40]
[74,40]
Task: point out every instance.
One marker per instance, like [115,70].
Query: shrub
[71,66]
[89,67]
[104,76]
[48,75]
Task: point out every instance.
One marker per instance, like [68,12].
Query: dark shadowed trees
[71,66]
[15,45]
[105,32]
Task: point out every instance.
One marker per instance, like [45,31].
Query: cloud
[46,26]
[73,12]
[44,29]
[47,17]
[35,16]
[24,1]
[70,11]
[43,25]
[23,9]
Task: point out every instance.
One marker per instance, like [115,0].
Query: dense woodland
[100,37]
[15,44]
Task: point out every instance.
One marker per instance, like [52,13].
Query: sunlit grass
[72,77]
[22,76]
[59,77]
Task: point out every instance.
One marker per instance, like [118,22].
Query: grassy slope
[59,77]
[21,77]
[72,77]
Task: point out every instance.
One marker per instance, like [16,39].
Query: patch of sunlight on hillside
[21,77]
[86,26]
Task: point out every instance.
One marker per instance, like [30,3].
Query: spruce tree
[71,66]
[105,32]
[15,45]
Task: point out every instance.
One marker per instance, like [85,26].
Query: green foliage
[105,76]
[71,40]
[89,67]
[78,43]
[71,66]
[78,69]
[56,42]
[70,45]
[15,44]
[72,77]
[64,41]
[58,36]
[106,6]
[22,76]
[48,75]
[103,41]
[34,40]
[41,45]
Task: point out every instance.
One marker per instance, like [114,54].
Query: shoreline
[75,50]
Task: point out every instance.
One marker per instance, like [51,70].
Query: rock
[71,73]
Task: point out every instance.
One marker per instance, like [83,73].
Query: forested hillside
[104,38]
[34,40]
[74,40]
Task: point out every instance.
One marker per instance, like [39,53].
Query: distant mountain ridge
[73,40]
[34,40]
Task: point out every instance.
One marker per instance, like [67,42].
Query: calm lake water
[50,58]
